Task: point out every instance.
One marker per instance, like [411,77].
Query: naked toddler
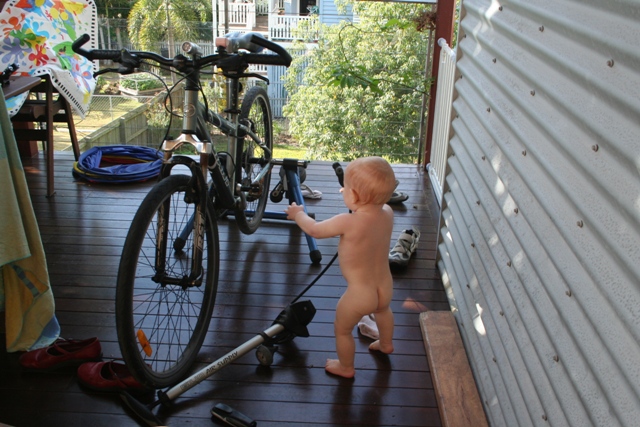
[363,253]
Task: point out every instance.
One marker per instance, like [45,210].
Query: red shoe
[109,376]
[62,353]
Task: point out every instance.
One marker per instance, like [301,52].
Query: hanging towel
[25,294]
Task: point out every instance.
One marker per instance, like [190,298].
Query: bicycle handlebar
[273,47]
[337,167]
[132,59]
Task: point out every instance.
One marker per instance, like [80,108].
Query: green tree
[109,10]
[360,91]
[153,21]
[113,8]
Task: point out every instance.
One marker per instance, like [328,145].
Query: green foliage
[360,92]
[113,8]
[151,21]
[141,84]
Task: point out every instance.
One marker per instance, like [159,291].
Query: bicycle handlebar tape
[237,40]
[76,46]
[94,54]
[254,43]
[337,167]
[274,47]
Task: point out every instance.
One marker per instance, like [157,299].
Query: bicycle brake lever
[257,76]
[105,71]
[119,70]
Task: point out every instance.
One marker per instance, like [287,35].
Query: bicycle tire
[256,112]
[173,318]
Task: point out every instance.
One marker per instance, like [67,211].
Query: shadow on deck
[83,229]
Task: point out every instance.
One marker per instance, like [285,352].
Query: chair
[46,109]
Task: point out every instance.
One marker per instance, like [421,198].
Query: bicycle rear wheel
[255,113]
[161,319]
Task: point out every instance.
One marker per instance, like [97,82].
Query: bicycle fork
[196,194]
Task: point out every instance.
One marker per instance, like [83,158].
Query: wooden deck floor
[83,229]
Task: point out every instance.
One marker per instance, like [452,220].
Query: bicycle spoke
[161,318]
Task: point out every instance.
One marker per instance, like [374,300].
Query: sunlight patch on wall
[477,321]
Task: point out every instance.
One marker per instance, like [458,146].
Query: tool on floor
[293,320]
[231,416]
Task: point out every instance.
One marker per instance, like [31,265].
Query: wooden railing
[282,27]
[243,14]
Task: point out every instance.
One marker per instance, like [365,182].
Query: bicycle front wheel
[255,113]
[163,309]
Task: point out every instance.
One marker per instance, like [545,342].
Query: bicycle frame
[209,160]
[169,268]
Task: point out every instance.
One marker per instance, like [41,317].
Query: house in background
[275,19]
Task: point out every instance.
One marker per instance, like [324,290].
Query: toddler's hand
[292,210]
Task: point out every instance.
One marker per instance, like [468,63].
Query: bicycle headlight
[190,48]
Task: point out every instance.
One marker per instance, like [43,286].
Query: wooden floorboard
[83,228]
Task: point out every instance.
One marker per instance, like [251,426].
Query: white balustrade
[442,118]
[281,26]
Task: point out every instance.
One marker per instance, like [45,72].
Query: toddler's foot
[334,367]
[386,349]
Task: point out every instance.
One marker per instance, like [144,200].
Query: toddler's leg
[346,319]
[384,321]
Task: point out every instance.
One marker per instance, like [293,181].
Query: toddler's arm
[331,227]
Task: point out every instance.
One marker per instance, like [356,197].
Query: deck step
[456,392]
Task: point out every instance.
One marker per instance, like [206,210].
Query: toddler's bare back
[364,248]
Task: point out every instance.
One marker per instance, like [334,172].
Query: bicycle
[168,273]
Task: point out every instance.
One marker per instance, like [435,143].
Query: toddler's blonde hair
[372,178]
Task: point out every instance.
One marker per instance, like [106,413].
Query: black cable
[316,279]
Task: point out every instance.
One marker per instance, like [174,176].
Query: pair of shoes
[62,353]
[367,327]
[397,196]
[308,193]
[109,377]
[404,248]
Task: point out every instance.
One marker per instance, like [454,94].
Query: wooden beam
[456,392]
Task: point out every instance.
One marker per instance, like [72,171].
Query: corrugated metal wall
[540,230]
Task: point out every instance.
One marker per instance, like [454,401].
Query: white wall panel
[540,238]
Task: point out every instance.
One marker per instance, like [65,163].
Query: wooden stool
[46,110]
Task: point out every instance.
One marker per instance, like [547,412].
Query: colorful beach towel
[37,36]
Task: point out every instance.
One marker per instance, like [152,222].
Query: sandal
[397,196]
[308,193]
[404,248]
